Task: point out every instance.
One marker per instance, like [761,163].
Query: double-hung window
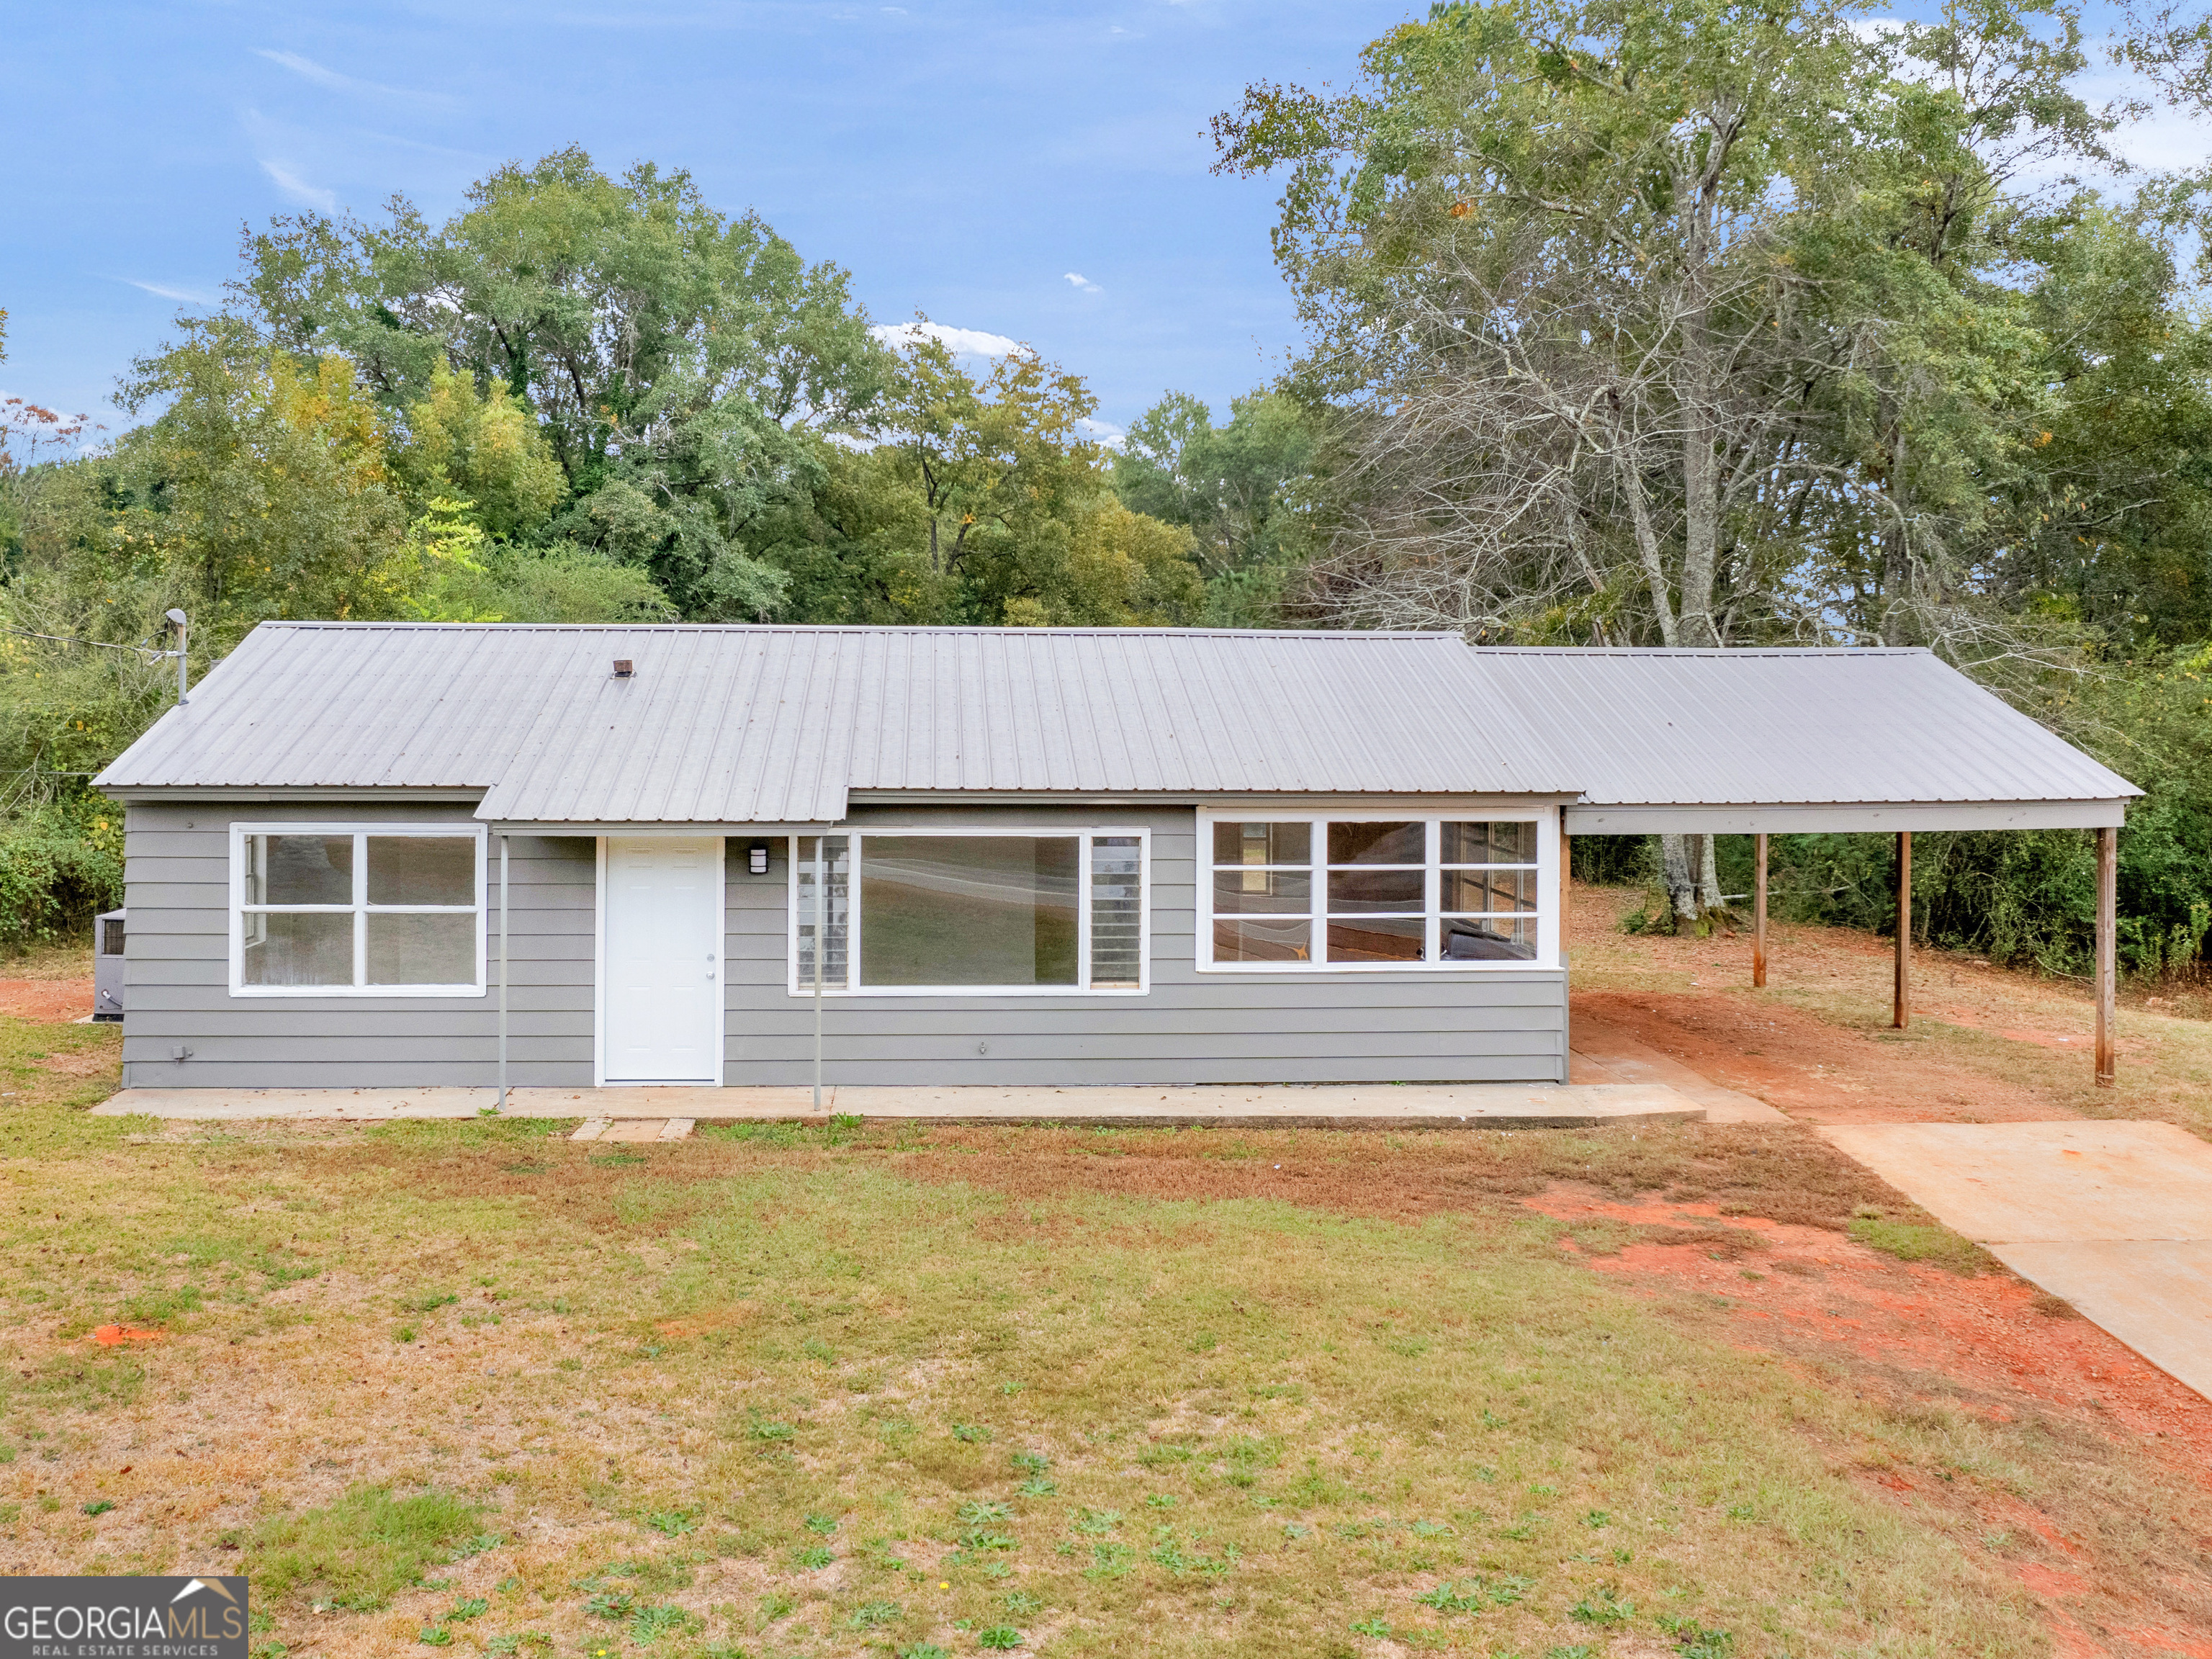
[1297,891]
[969,912]
[338,909]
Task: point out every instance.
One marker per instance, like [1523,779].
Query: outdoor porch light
[756,858]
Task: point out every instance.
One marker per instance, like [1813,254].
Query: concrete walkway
[2115,1218]
[1388,1106]
[1599,1052]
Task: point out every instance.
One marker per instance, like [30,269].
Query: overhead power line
[145,651]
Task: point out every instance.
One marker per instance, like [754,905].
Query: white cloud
[966,341]
[307,68]
[190,296]
[1083,284]
[298,188]
[1104,433]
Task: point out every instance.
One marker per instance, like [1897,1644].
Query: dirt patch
[1807,1066]
[1986,1044]
[49,1001]
[1738,1169]
[91,1062]
[1990,1332]
[1922,1340]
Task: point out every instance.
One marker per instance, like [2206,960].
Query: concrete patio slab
[1270,1106]
[2115,1217]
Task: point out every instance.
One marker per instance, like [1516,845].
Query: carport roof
[1796,739]
[777,725]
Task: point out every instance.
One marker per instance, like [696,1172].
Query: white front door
[660,973]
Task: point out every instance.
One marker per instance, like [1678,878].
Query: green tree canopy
[680,364]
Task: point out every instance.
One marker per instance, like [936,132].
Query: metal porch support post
[1566,912]
[1902,1016]
[2108,906]
[502,973]
[821,949]
[1759,913]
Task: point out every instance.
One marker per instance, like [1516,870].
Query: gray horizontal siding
[177,880]
[1502,1025]
[1192,1027]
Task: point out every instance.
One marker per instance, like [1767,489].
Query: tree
[1233,486]
[262,489]
[1702,323]
[1546,254]
[982,503]
[481,446]
[2107,527]
[683,368]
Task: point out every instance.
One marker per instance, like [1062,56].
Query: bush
[60,866]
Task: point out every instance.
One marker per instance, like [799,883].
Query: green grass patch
[1913,1241]
[74,1382]
[360,1552]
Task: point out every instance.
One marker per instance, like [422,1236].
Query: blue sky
[963,159]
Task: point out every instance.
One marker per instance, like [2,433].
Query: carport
[1878,741]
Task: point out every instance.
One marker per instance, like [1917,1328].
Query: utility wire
[146,652]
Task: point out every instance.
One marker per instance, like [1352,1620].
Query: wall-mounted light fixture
[756,858]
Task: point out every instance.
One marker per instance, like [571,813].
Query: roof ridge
[1146,631]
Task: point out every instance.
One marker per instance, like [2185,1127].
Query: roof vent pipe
[625,668]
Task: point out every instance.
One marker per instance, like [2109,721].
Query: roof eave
[1838,817]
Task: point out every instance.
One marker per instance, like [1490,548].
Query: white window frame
[1546,819]
[855,921]
[360,908]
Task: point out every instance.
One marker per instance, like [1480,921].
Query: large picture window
[966,911]
[1319,892]
[326,910]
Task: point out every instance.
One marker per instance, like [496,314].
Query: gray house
[658,855]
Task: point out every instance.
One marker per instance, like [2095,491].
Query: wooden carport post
[1901,1015]
[2108,906]
[1759,913]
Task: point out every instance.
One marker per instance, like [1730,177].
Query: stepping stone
[677,1128]
[590,1129]
[635,1128]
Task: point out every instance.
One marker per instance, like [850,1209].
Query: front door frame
[599,960]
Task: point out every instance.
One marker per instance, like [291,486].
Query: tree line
[1697,323]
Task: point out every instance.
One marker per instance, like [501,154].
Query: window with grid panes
[1409,891]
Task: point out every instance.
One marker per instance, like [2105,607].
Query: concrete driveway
[2115,1218]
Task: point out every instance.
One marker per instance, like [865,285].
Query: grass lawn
[786,1392]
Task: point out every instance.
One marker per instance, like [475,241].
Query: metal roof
[733,724]
[1729,728]
[765,725]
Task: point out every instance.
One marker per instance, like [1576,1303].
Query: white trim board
[1844,818]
